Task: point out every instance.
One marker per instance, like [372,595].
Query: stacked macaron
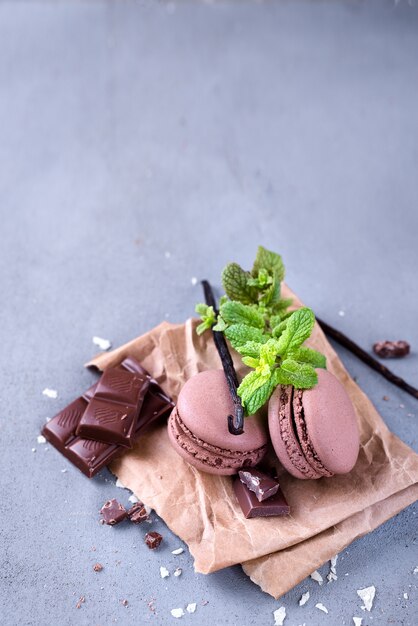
[314,431]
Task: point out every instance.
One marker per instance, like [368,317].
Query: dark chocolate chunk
[260,483]
[153,539]
[91,456]
[113,512]
[112,413]
[391,349]
[251,507]
[137,513]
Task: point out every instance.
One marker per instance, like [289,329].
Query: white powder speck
[164,573]
[193,280]
[133,499]
[341,313]
[305,597]
[63,471]
[103,344]
[415,570]
[47,419]
[357,621]
[177,551]
[50,393]
[191,608]
[279,616]
[405,595]
[177,612]
[41,439]
[321,607]
[178,572]
[317,576]
[367,595]
[33,449]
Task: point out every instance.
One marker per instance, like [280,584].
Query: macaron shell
[204,404]
[331,423]
[305,442]
[283,436]
[205,457]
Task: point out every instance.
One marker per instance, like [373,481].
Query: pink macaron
[198,427]
[314,431]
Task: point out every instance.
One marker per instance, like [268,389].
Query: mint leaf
[250,361]
[238,313]
[221,325]
[259,397]
[307,355]
[240,334]
[208,317]
[262,280]
[269,261]
[300,375]
[298,328]
[250,384]
[235,282]
[278,330]
[251,348]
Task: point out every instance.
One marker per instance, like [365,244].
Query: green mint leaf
[250,361]
[270,262]
[250,384]
[300,375]
[235,282]
[208,317]
[201,308]
[251,348]
[307,355]
[238,313]
[278,330]
[271,295]
[259,397]
[298,328]
[240,334]
[221,325]
[262,280]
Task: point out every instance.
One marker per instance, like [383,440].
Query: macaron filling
[209,454]
[303,436]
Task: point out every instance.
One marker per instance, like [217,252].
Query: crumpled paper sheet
[326,514]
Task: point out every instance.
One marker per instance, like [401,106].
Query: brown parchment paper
[326,514]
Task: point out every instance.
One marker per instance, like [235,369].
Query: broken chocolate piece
[251,507]
[391,349]
[113,512]
[98,567]
[260,483]
[153,539]
[137,513]
[112,413]
[91,456]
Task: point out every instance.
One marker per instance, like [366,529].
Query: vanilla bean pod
[367,358]
[235,422]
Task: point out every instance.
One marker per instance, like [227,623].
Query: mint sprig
[256,321]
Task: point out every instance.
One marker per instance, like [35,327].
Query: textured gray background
[132,130]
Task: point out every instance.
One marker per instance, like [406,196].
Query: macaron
[198,427]
[314,431]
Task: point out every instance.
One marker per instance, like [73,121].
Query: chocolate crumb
[113,512]
[386,398]
[81,601]
[137,513]
[125,602]
[391,349]
[153,540]
[98,567]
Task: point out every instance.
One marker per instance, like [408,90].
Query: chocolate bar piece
[138,513]
[260,483]
[112,413]
[251,507]
[153,539]
[91,456]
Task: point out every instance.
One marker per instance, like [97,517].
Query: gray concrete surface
[132,130]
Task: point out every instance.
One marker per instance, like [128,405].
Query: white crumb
[331,576]
[405,595]
[164,573]
[63,471]
[177,551]
[415,570]
[33,449]
[357,621]
[321,607]
[47,419]
[167,254]
[133,499]
[334,562]
[178,572]
[193,280]
[317,576]
[305,597]
[148,509]
[177,612]
[367,595]
[50,393]
[120,484]
[191,608]
[103,344]
[341,313]
[279,616]
[41,439]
